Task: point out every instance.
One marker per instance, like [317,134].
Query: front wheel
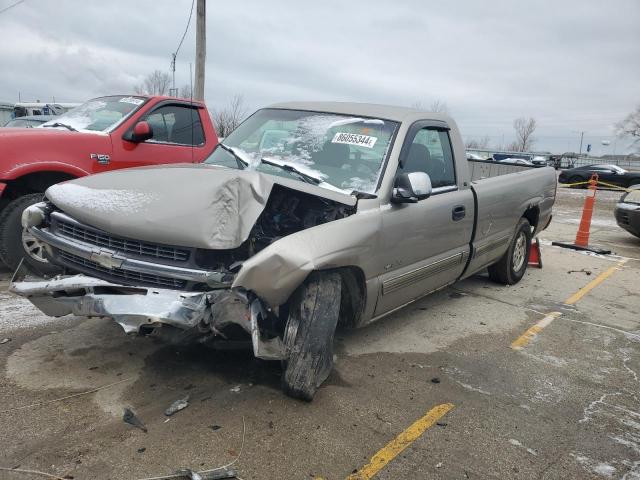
[16,243]
[510,269]
[308,337]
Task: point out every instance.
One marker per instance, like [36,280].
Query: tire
[14,242]
[510,269]
[308,337]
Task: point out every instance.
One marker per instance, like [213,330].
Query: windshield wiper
[290,168]
[60,124]
[241,163]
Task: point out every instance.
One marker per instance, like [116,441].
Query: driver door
[177,132]
[425,245]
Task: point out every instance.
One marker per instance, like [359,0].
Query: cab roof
[386,112]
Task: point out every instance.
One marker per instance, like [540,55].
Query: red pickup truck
[102,134]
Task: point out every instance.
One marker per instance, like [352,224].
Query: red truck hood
[22,146]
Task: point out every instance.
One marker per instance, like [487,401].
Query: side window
[430,152]
[176,124]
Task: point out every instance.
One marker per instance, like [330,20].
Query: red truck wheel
[16,244]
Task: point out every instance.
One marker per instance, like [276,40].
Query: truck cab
[103,134]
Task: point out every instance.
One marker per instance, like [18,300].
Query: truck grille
[118,275]
[99,238]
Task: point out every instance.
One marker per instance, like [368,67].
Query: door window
[176,124]
[430,152]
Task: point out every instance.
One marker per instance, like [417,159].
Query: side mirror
[141,131]
[411,187]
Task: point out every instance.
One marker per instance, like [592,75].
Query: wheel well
[533,215]
[353,295]
[33,183]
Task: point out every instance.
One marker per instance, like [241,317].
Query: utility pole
[201,49]
[581,139]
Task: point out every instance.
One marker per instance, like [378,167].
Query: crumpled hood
[189,205]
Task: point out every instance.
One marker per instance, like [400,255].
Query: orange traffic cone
[535,256]
[582,236]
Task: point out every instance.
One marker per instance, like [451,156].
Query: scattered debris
[482,323]
[190,474]
[435,380]
[215,427]
[142,449]
[235,389]
[176,406]
[5,340]
[442,424]
[439,465]
[582,270]
[129,417]
[212,474]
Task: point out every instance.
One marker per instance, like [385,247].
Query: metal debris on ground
[5,340]
[235,389]
[128,416]
[176,406]
[435,380]
[191,475]
[582,270]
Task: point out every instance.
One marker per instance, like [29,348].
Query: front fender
[22,169]
[275,272]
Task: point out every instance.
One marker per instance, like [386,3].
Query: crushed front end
[145,286]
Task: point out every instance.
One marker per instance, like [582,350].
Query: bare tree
[438,106]
[524,134]
[156,83]
[435,106]
[481,143]
[630,126]
[226,119]
[185,92]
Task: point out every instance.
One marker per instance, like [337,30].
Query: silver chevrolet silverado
[308,215]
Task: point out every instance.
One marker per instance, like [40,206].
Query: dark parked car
[627,211]
[606,173]
[28,122]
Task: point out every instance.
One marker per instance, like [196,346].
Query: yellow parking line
[524,339]
[392,449]
[593,284]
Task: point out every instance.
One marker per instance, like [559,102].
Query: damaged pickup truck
[309,215]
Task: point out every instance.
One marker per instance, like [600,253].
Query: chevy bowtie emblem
[106,259]
[100,158]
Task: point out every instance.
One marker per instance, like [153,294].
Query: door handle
[458,212]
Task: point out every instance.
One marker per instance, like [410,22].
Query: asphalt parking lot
[539,380]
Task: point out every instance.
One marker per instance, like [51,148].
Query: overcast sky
[573,65]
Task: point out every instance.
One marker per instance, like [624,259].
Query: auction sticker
[132,100]
[354,139]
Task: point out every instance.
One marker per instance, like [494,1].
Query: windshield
[339,151]
[100,114]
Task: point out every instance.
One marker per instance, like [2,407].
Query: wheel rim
[33,247]
[519,252]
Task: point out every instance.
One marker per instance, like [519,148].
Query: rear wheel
[510,269]
[308,337]
[17,244]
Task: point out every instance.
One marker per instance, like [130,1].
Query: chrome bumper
[135,308]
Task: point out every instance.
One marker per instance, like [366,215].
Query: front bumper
[628,217]
[140,310]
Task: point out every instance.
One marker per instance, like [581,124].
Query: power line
[185,30]
[175,54]
[11,6]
